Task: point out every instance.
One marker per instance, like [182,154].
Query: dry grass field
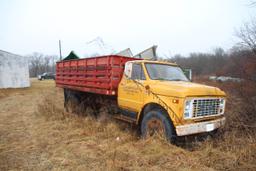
[36,134]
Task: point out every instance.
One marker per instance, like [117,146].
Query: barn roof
[5,52]
[71,55]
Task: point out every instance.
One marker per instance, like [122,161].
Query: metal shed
[14,71]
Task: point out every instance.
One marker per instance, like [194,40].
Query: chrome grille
[205,107]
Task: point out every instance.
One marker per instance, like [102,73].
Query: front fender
[174,110]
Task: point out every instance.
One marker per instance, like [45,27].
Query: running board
[125,118]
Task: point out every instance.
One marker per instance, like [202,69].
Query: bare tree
[39,63]
[247,35]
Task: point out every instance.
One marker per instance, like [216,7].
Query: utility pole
[60,50]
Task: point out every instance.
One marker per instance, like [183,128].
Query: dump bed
[95,75]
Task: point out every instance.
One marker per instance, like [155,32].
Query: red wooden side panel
[96,75]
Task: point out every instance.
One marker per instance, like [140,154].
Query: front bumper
[199,127]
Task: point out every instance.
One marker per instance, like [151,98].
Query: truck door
[130,91]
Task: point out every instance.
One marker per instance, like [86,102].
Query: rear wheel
[157,122]
[71,101]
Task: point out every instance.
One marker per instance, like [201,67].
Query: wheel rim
[155,126]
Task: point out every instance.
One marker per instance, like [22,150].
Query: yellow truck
[154,95]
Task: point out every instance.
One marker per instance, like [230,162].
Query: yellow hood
[184,89]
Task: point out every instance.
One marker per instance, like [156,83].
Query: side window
[137,72]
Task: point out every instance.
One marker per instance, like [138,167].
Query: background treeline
[237,62]
[240,61]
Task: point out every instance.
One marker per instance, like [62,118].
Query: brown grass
[39,135]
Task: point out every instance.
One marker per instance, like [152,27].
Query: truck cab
[160,98]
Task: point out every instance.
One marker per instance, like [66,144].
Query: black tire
[158,121]
[71,101]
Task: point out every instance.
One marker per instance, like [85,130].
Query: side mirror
[188,73]
[128,70]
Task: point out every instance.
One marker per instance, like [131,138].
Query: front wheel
[157,121]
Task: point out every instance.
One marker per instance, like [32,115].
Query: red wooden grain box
[95,75]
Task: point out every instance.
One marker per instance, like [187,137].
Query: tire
[71,101]
[158,121]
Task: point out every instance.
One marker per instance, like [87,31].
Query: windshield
[165,72]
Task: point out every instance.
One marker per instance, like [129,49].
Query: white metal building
[14,71]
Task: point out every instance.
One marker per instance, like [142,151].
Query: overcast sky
[176,26]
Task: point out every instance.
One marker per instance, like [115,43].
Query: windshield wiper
[159,79]
[164,79]
[176,80]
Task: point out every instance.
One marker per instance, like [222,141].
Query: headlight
[188,109]
[222,106]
